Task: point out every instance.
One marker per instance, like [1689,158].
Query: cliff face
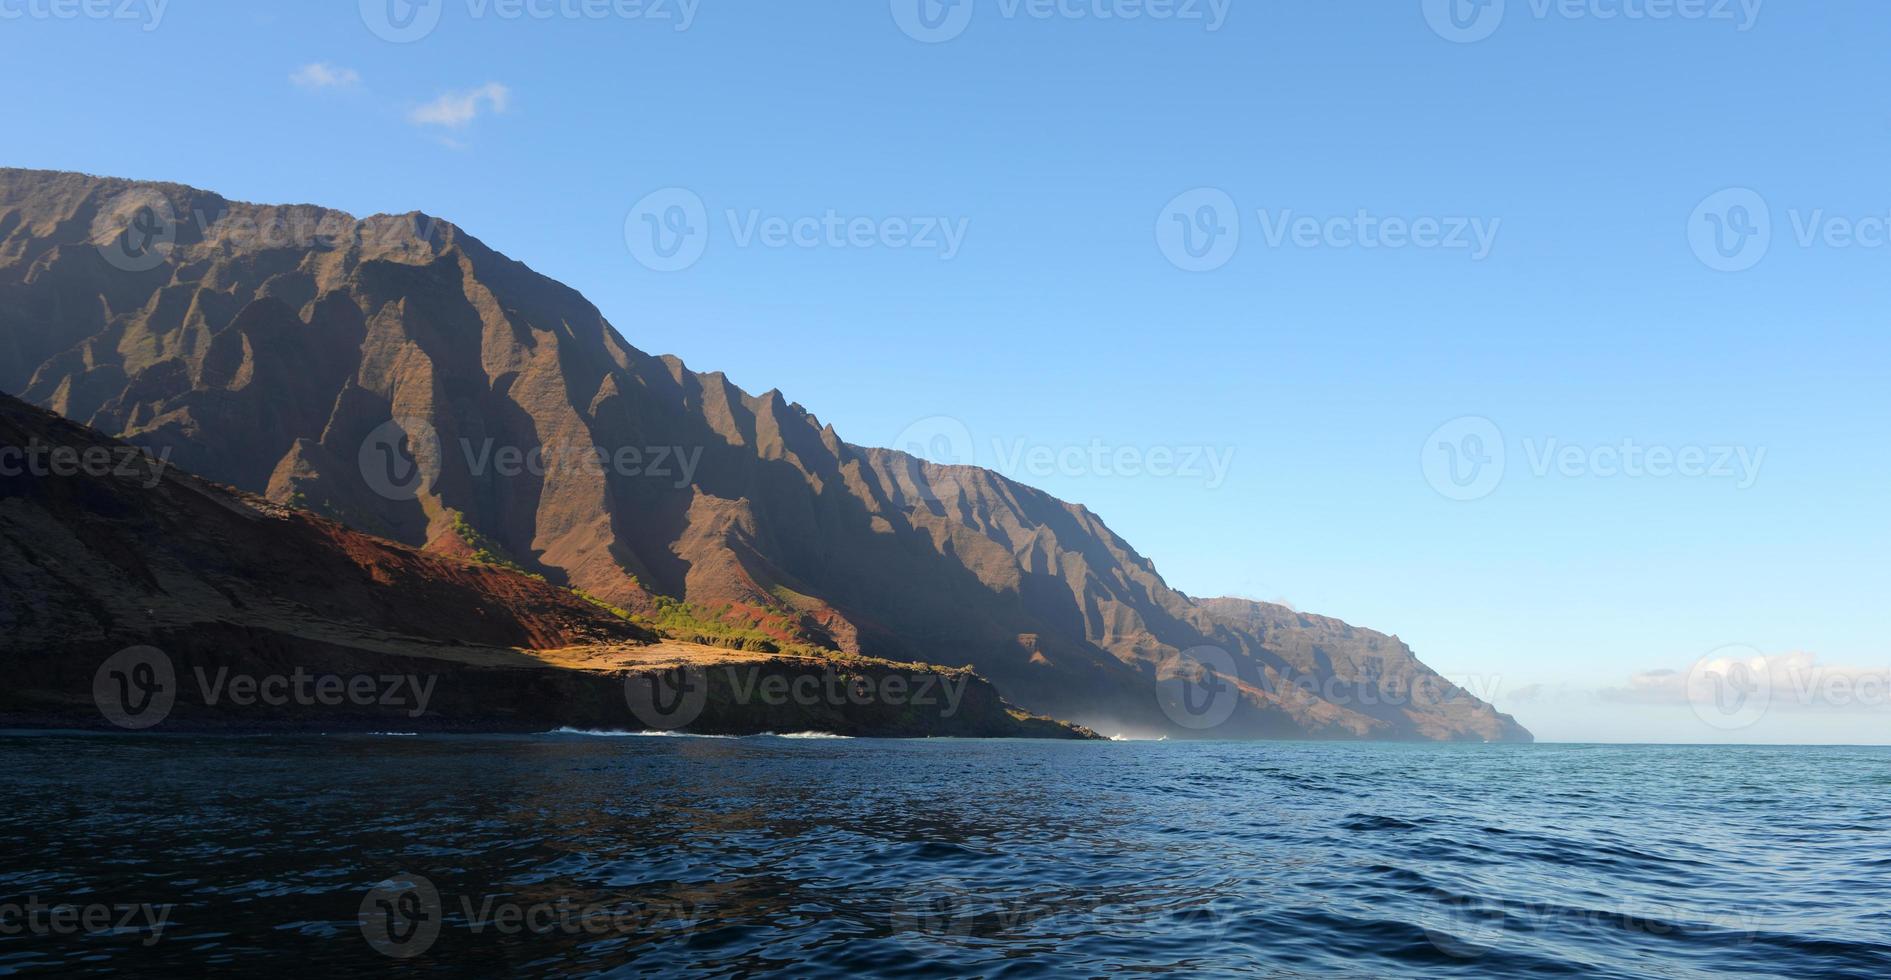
[383,372]
[109,557]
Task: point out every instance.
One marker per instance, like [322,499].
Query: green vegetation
[621,613]
[719,625]
[792,599]
[733,626]
[486,551]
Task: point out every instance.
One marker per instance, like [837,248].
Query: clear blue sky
[1060,142]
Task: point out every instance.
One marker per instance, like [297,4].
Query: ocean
[806,856]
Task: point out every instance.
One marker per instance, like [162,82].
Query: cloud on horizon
[1792,681]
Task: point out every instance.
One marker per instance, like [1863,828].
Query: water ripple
[557,854]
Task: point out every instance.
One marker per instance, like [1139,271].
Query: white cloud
[1782,681]
[457,110]
[320,75]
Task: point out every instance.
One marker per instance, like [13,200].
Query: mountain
[390,372]
[123,554]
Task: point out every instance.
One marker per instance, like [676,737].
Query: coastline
[425,689]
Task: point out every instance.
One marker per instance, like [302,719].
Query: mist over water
[826,857]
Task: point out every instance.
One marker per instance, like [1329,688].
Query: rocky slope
[104,550]
[377,371]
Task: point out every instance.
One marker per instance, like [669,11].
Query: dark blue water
[722,857]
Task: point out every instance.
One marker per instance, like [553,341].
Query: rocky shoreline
[274,686]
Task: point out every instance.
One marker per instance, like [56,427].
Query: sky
[1548,336]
